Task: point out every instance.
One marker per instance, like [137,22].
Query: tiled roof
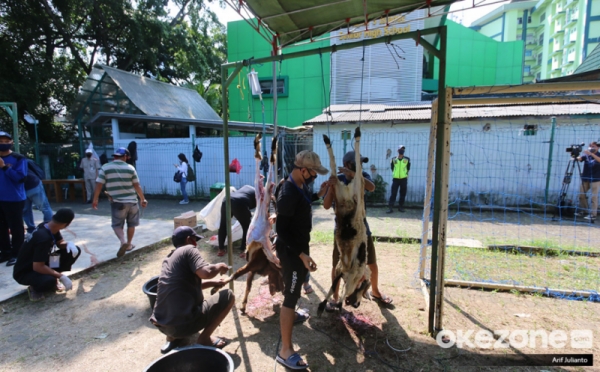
[591,62]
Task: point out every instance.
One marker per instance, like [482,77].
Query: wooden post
[428,190]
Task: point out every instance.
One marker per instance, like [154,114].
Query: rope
[328,108]
[362,80]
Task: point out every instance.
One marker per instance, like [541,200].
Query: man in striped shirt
[122,185]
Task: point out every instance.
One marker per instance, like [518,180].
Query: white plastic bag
[211,214]
[236,232]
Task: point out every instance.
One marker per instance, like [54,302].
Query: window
[529,19]
[527,69]
[541,39]
[539,59]
[543,17]
[520,20]
[266,85]
[538,76]
[528,52]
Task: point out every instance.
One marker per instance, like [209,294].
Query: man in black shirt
[294,223]
[181,309]
[590,180]
[242,202]
[34,267]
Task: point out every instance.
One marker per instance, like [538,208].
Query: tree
[49,47]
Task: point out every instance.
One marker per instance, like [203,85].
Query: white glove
[66,282]
[72,248]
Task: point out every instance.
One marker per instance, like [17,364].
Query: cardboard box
[186,219]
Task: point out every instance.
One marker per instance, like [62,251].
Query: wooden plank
[428,190]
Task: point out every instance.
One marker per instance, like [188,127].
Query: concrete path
[94,235]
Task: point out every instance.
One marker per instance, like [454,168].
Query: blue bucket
[195,358]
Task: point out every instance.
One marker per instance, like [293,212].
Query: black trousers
[11,217]
[39,282]
[398,183]
[242,214]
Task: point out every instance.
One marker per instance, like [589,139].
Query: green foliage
[49,47]
[378,195]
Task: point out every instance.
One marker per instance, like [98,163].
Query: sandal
[383,300]
[293,362]
[301,317]
[221,253]
[308,289]
[219,343]
[331,307]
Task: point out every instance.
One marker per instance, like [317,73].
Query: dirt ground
[102,325]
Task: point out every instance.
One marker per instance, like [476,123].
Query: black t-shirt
[36,249]
[294,217]
[591,169]
[179,295]
[246,195]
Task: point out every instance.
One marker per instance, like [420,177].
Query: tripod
[561,205]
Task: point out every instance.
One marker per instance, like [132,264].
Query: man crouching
[181,310]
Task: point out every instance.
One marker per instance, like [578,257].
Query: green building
[476,60]
[558,34]
[304,84]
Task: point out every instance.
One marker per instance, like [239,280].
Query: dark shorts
[293,271]
[371,256]
[209,310]
[121,212]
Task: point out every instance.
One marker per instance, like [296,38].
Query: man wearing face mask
[590,180]
[13,170]
[400,167]
[90,166]
[294,223]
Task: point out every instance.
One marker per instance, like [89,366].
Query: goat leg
[336,280]
[249,279]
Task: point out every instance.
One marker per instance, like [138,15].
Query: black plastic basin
[194,358]
[150,288]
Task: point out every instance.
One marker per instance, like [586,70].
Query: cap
[310,159]
[63,215]
[350,157]
[401,147]
[89,151]
[4,134]
[181,234]
[121,151]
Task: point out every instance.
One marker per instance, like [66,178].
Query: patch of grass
[540,243]
[321,237]
[483,265]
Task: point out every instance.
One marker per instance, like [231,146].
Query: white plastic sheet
[236,231]
[211,214]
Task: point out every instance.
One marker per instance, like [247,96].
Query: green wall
[305,88]
[474,59]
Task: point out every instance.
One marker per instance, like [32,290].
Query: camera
[575,150]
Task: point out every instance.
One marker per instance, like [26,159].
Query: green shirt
[119,178]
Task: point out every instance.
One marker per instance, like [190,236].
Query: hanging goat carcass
[350,233]
[260,252]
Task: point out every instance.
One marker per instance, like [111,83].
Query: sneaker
[589,217]
[400,209]
[184,202]
[11,262]
[34,296]
[389,211]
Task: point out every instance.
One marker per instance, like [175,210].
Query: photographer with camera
[590,179]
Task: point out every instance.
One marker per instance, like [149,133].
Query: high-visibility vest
[401,167]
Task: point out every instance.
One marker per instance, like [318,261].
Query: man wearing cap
[294,223]
[181,309]
[122,185]
[13,170]
[346,175]
[34,267]
[400,167]
[90,166]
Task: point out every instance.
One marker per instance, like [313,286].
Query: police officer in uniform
[400,167]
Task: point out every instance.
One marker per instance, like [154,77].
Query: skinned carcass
[260,251]
[351,232]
